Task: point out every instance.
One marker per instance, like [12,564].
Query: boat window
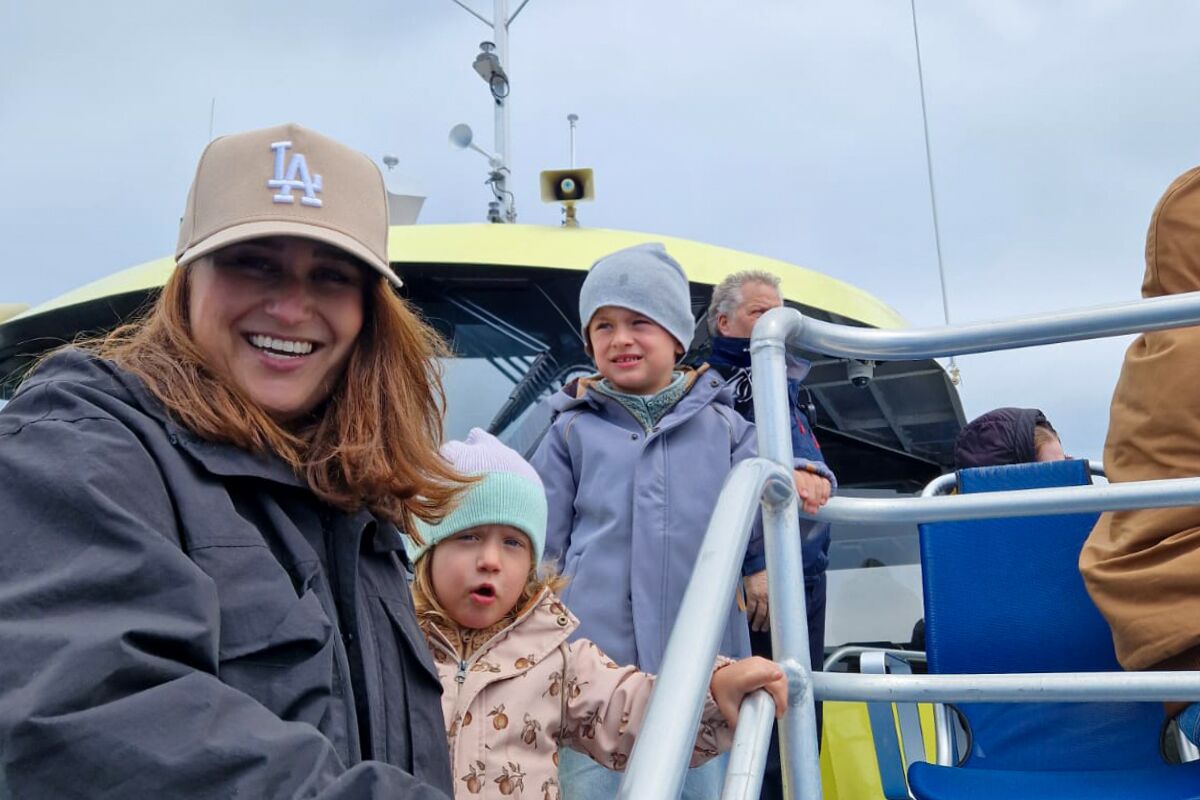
[476,389]
[861,546]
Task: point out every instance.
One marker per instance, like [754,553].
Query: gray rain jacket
[629,509]
[180,618]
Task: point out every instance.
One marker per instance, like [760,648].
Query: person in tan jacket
[514,688]
[1141,567]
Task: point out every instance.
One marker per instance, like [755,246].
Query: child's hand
[733,682]
[812,489]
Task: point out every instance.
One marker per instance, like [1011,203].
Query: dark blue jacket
[731,358]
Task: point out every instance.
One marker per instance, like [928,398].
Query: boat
[506,298]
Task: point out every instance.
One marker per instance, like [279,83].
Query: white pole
[500,34]
[572,119]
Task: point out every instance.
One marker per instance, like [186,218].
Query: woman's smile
[280,317]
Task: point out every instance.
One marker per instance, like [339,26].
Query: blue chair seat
[1178,782]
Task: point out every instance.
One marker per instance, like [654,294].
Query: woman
[202,588]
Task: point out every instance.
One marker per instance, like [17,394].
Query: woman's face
[280,316]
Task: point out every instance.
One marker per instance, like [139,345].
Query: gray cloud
[784,129]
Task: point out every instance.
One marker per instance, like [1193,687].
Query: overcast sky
[787,129]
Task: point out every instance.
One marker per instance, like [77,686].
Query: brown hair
[1043,434]
[375,445]
[430,611]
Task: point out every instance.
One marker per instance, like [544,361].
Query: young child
[633,464]
[513,688]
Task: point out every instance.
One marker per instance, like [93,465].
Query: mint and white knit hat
[508,493]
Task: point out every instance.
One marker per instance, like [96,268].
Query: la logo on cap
[296,176]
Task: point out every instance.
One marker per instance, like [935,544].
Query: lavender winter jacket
[525,691]
[629,509]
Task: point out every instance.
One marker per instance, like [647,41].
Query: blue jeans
[1189,723]
[584,779]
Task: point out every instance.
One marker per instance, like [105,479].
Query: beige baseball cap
[286,181]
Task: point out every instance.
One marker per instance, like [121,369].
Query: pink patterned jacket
[526,690]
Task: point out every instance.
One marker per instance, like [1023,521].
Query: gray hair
[728,294]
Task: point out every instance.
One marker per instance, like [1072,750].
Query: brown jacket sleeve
[605,704]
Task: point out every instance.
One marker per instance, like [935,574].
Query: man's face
[757,299]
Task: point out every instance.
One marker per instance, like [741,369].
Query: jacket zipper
[464,665]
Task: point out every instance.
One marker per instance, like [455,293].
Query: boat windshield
[479,389]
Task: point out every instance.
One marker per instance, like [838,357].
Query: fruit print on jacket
[504,720]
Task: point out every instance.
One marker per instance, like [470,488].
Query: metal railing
[661,755]
[660,759]
[1174,311]
[944,484]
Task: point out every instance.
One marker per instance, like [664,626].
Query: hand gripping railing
[657,766]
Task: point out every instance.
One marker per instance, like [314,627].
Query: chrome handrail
[663,750]
[846,652]
[799,755]
[945,484]
[1158,313]
[1014,503]
[748,756]
[1058,687]
[660,757]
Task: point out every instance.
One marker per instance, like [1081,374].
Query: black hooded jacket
[180,618]
[1001,436]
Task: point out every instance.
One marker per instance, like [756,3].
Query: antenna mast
[492,66]
[571,120]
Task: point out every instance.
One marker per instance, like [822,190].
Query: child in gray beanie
[645,279]
[633,464]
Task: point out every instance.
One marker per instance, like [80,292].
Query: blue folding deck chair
[1005,596]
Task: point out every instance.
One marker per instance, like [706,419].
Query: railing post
[798,748]
[748,757]
[664,745]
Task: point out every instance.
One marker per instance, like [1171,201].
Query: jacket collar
[219,458]
[535,633]
[730,353]
[703,388]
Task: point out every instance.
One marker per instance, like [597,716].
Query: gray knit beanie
[642,278]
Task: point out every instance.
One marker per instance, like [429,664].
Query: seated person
[1007,436]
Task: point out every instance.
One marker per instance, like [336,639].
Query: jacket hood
[1173,240]
[999,437]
